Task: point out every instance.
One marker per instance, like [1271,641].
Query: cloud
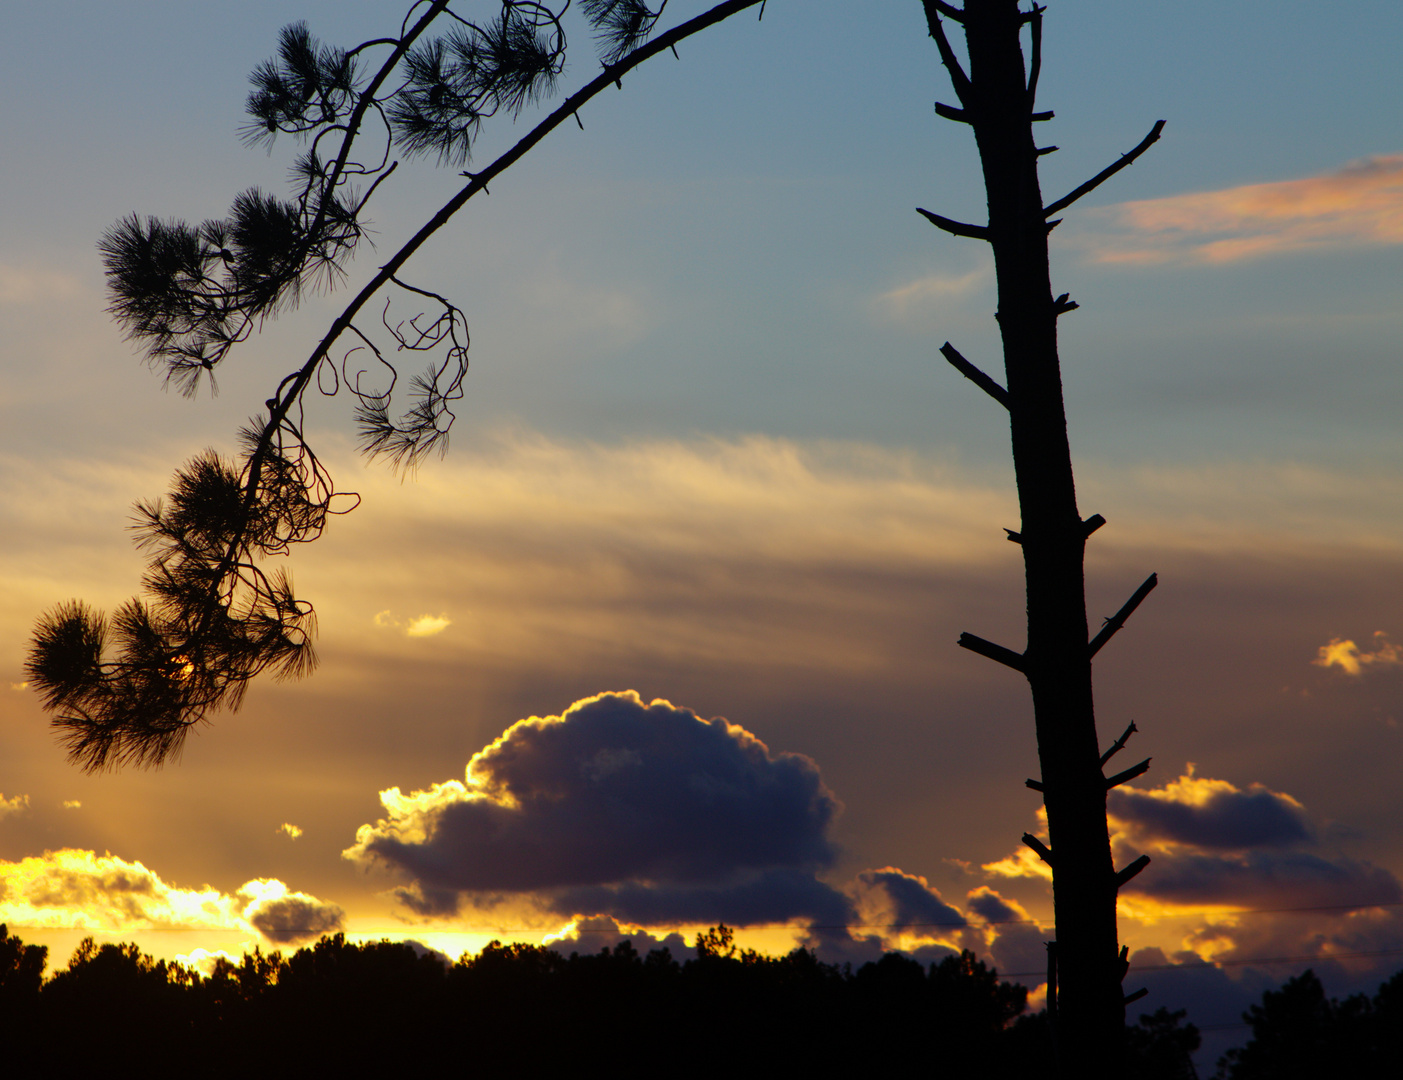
[1265,879]
[424,626]
[647,812]
[1239,876]
[1362,203]
[204,960]
[17,804]
[748,898]
[287,917]
[993,908]
[1023,861]
[589,934]
[909,915]
[428,625]
[897,900]
[1346,655]
[1014,941]
[1214,845]
[71,804]
[27,287]
[915,298]
[78,889]
[291,831]
[1206,813]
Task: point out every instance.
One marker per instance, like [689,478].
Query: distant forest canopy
[383,1005]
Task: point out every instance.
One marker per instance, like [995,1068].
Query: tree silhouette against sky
[128,689]
[998,99]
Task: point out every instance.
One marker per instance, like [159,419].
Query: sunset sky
[711,465]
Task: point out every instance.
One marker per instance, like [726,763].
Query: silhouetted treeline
[1300,1034]
[381,1005]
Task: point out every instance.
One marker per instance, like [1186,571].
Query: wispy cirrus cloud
[1361,203]
[28,286]
[913,299]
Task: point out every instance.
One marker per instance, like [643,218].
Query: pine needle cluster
[126,689]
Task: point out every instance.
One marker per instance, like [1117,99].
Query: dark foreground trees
[522,1010]
[1300,1034]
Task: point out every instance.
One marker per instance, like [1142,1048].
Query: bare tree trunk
[997,99]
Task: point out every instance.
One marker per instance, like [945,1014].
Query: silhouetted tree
[127,689]
[1161,1047]
[1297,1032]
[998,99]
[113,1003]
[21,970]
[21,975]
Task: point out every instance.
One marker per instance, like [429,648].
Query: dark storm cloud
[294,917]
[775,896]
[647,812]
[841,946]
[1266,879]
[909,900]
[993,908]
[1020,950]
[1212,815]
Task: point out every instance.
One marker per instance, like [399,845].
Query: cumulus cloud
[16,804]
[586,934]
[285,917]
[1014,942]
[896,900]
[1352,660]
[747,898]
[1361,203]
[204,960]
[72,804]
[1206,813]
[1265,879]
[995,909]
[292,832]
[1242,877]
[909,914]
[647,812]
[77,889]
[1214,844]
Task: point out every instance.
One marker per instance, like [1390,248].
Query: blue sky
[709,450]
